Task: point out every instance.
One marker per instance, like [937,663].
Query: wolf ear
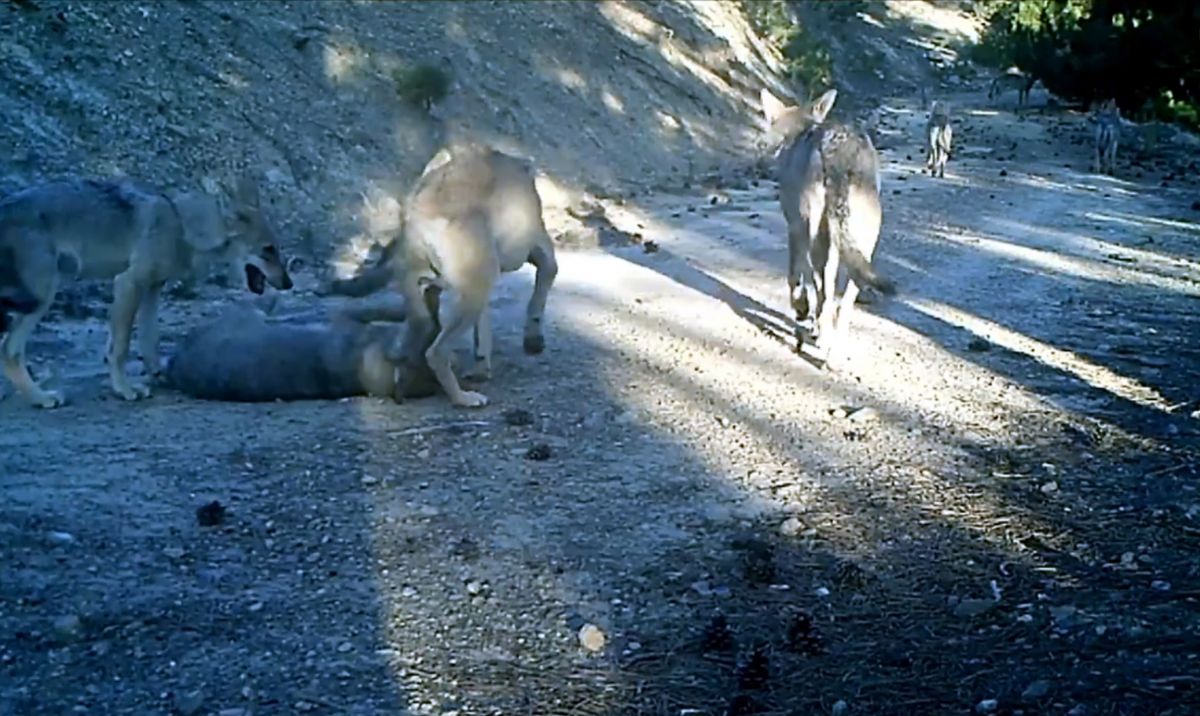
[824,103]
[200,218]
[772,106]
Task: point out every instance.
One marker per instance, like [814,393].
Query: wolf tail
[842,236]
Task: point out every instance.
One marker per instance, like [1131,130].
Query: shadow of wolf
[243,356]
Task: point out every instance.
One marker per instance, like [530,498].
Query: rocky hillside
[608,97]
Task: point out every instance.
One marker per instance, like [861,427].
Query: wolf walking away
[940,134]
[473,214]
[829,186]
[242,356]
[1012,79]
[140,238]
[1106,119]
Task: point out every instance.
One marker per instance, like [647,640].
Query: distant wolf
[829,187]
[940,134]
[137,236]
[241,356]
[1012,79]
[1106,119]
[473,214]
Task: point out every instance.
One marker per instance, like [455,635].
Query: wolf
[241,356]
[473,214]
[1107,131]
[1012,79]
[137,236]
[829,186]
[940,134]
[15,296]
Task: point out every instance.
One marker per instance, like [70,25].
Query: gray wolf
[242,356]
[14,295]
[829,187]
[1107,132]
[135,235]
[1012,79]
[940,134]
[473,214]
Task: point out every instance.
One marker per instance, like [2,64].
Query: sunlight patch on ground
[938,16]
[1138,222]
[1095,375]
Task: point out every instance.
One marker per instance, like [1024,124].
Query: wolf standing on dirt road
[474,213]
[940,134]
[829,186]
[1107,118]
[139,238]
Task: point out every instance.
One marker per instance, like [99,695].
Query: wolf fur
[1012,79]
[140,238]
[940,134]
[829,187]
[1106,134]
[242,356]
[473,214]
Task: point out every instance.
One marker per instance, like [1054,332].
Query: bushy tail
[858,266]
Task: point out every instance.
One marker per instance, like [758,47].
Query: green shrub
[807,60]
[422,85]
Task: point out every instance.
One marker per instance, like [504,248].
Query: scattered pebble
[1036,690]
[592,638]
[839,707]
[211,514]
[518,417]
[539,452]
[979,345]
[650,247]
[969,608]
[987,706]
[1049,487]
[68,627]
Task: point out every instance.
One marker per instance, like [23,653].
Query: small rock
[839,707]
[539,452]
[369,480]
[61,537]
[591,638]
[862,415]
[344,647]
[1003,172]
[190,703]
[1078,710]
[1036,690]
[717,635]
[232,712]
[791,527]
[1160,585]
[987,706]
[68,627]
[1049,487]
[210,515]
[174,552]
[650,247]
[978,345]
[822,592]
[518,417]
[970,608]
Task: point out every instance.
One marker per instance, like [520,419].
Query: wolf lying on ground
[473,214]
[136,236]
[829,185]
[241,356]
[940,134]
[1107,132]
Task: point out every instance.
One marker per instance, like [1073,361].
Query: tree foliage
[1145,53]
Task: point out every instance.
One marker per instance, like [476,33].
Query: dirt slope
[1014,521]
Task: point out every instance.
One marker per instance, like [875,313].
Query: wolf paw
[132,391]
[471,399]
[534,344]
[48,399]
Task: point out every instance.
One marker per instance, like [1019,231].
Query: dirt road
[1015,518]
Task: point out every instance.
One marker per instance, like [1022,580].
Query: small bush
[806,59]
[422,85]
